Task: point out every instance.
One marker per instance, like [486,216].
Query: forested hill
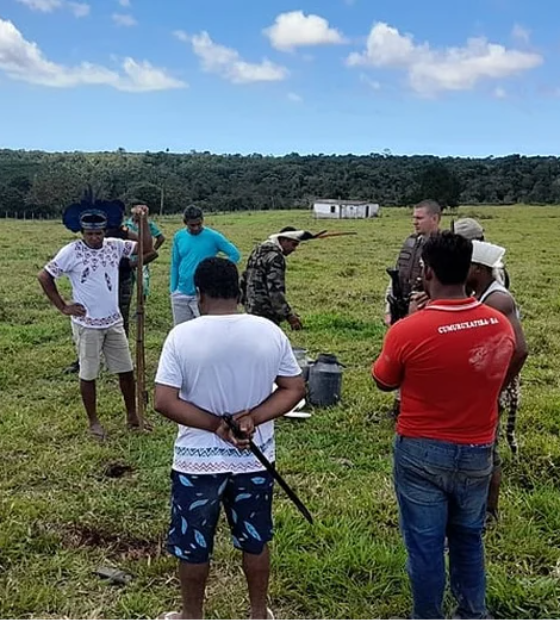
[44,183]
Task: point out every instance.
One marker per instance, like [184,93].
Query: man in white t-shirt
[92,266]
[223,363]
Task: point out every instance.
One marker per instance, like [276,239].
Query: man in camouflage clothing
[426,218]
[263,283]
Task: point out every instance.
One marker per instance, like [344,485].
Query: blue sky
[462,77]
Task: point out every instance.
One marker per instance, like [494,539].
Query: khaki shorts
[91,343]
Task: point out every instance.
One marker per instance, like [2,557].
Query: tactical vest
[408,264]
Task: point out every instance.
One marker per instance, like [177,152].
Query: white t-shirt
[224,364]
[94,275]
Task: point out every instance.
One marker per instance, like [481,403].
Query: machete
[270,468]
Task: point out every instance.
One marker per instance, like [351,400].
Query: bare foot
[97,432]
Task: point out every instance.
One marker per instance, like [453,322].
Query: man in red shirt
[450,361]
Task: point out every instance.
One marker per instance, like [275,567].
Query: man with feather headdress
[92,266]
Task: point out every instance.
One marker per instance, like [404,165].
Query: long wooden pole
[140,378]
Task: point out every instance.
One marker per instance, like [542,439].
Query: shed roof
[332,201]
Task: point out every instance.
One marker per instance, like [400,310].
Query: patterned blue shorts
[195,508]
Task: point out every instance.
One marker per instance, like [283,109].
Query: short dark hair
[432,206]
[218,278]
[192,212]
[449,255]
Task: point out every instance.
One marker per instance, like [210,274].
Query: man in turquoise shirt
[191,246]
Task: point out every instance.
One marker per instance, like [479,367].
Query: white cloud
[143,76]
[385,47]
[449,69]
[500,93]
[227,62]
[181,35]
[373,84]
[80,9]
[125,3]
[122,19]
[295,29]
[43,6]
[23,60]
[295,98]
[521,34]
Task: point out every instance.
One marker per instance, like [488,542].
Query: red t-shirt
[450,361]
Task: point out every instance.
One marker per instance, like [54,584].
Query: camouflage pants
[508,405]
[510,399]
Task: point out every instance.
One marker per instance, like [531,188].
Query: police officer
[426,218]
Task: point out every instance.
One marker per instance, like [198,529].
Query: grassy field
[62,516]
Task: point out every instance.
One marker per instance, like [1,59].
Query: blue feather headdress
[92,213]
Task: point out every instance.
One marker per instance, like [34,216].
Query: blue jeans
[441,490]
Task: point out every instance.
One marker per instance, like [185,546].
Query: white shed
[345,209]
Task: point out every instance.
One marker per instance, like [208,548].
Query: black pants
[125,298]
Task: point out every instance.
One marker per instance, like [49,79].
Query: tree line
[43,184]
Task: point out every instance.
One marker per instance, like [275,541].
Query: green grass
[61,516]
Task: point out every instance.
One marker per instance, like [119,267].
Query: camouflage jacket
[263,283]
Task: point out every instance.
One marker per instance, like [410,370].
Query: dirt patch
[117,470]
[117,546]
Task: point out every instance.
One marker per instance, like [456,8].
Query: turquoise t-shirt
[190,250]
[133,226]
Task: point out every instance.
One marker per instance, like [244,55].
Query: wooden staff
[307,236]
[141,395]
[324,235]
